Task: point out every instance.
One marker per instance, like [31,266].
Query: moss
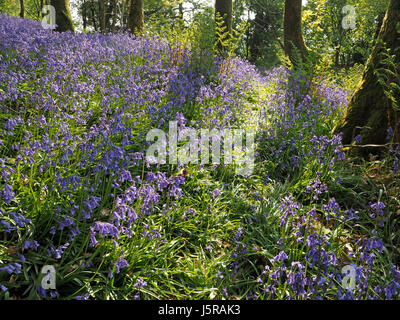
[369,113]
[293,36]
[136,16]
[63,15]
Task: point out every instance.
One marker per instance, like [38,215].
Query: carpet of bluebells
[77,193]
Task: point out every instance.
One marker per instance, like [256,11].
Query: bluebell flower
[390,133]
[347,295]
[391,290]
[281,256]
[216,193]
[8,194]
[12,268]
[41,291]
[377,208]
[31,244]
[238,234]
[140,283]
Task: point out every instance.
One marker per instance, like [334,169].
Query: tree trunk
[124,13]
[63,15]
[293,36]
[40,9]
[136,17]
[22,8]
[102,16]
[114,15]
[370,113]
[224,9]
[93,15]
[180,9]
[84,15]
[109,12]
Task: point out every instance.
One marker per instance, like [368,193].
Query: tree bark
[180,10]
[102,16]
[22,8]
[92,10]
[293,36]
[63,15]
[40,9]
[136,17]
[114,15]
[370,113]
[108,14]
[123,16]
[84,15]
[224,8]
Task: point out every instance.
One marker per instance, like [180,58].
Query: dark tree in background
[84,14]
[263,37]
[22,8]
[224,8]
[102,16]
[63,15]
[370,112]
[293,36]
[114,13]
[136,16]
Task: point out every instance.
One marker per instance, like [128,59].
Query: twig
[368,145]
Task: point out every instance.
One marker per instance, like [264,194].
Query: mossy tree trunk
[293,36]
[63,15]
[370,113]
[224,9]
[136,17]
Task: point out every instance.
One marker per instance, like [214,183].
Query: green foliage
[262,41]
[9,7]
[226,43]
[32,8]
[323,31]
[203,30]
[388,74]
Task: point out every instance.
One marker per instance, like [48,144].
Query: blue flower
[391,290]
[378,207]
[216,193]
[41,291]
[140,283]
[31,244]
[281,256]
[8,194]
[390,133]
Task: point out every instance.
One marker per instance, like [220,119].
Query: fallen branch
[368,145]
